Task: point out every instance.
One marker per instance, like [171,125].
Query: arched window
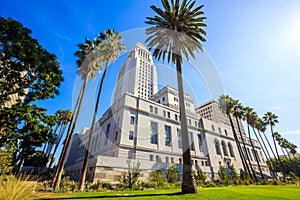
[217,145]
[230,149]
[224,148]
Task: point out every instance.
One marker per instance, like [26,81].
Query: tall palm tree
[177,31]
[250,119]
[272,119]
[109,48]
[88,62]
[238,113]
[259,125]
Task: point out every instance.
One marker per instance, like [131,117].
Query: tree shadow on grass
[118,196]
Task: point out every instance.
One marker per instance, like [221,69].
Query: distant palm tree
[109,48]
[250,117]
[237,112]
[89,61]
[272,119]
[177,31]
[65,116]
[259,125]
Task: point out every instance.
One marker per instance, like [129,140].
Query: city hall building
[143,125]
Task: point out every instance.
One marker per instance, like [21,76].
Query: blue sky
[254,46]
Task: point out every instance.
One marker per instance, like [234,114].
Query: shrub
[276,182]
[199,176]
[158,178]
[172,174]
[244,175]
[210,184]
[130,179]
[12,188]
[68,185]
[223,175]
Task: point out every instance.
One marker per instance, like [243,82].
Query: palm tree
[177,31]
[110,47]
[88,62]
[272,119]
[237,112]
[65,118]
[250,119]
[259,125]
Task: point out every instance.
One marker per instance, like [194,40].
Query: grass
[16,189]
[240,192]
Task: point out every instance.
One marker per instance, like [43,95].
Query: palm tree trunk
[247,155]
[255,155]
[280,164]
[60,167]
[260,144]
[88,151]
[238,142]
[188,181]
[57,144]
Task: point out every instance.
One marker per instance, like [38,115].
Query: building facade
[146,129]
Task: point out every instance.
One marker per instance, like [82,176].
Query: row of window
[169,139]
[219,129]
[167,114]
[224,148]
[167,159]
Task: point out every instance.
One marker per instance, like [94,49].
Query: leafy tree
[172,174]
[5,162]
[177,32]
[28,72]
[27,69]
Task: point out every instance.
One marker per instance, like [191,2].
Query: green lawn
[218,193]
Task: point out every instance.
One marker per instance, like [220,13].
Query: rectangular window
[167,159]
[107,133]
[169,115]
[212,128]
[196,123]
[172,160]
[168,136]
[192,145]
[130,135]
[190,122]
[164,113]
[116,135]
[176,117]
[200,143]
[153,138]
[155,110]
[151,109]
[179,136]
[157,159]
[151,157]
[220,130]
[131,119]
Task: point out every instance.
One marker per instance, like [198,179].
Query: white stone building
[144,125]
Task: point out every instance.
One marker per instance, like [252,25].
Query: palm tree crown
[177,30]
